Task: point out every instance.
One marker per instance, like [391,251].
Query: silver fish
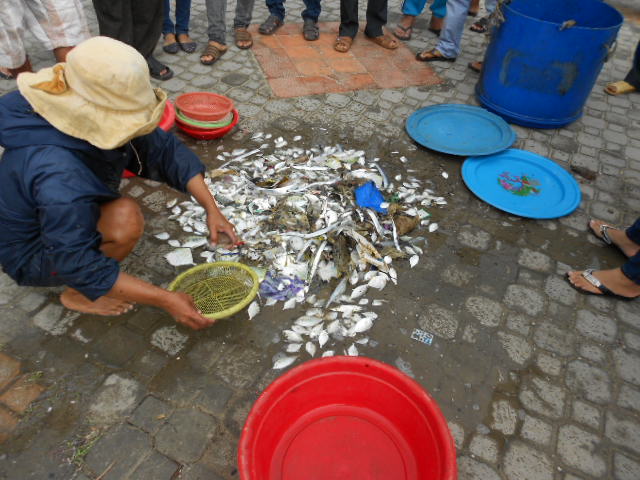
[283,362]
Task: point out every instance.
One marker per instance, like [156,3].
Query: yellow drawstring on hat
[56,86]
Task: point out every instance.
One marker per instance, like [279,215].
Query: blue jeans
[632,268]
[183,12]
[312,10]
[438,7]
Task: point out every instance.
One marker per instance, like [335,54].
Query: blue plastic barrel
[544,59]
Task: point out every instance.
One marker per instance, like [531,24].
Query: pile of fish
[296,213]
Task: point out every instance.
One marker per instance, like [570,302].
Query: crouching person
[68,134]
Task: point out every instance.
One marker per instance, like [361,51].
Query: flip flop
[474,66]
[436,56]
[588,276]
[604,236]
[407,30]
[619,88]
[480,26]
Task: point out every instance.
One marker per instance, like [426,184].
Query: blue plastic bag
[368,196]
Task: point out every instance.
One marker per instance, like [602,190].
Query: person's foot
[404,29]
[475,66]
[616,236]
[474,8]
[433,55]
[243,38]
[5,74]
[310,30]
[170,45]
[106,306]
[385,41]
[619,88]
[186,43]
[270,25]
[212,52]
[612,280]
[158,70]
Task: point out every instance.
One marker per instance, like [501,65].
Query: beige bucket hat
[102,94]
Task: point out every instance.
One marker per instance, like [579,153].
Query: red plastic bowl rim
[207,134]
[168,117]
[437,420]
[187,112]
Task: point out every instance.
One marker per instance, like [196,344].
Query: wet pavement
[537,381]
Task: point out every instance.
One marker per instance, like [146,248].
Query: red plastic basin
[204,134]
[346,418]
[204,106]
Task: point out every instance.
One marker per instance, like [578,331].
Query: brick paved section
[295,67]
[537,381]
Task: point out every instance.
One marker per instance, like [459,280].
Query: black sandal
[172,47]
[270,25]
[433,55]
[187,47]
[156,68]
[310,30]
[480,26]
[408,31]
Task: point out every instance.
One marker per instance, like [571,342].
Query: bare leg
[61,53]
[121,225]
[25,67]
[614,280]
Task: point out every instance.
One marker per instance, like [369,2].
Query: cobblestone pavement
[537,381]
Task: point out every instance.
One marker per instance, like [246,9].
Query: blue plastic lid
[522,183]
[460,130]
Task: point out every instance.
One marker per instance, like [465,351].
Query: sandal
[170,47]
[158,70]
[589,277]
[270,25]
[310,30]
[5,74]
[433,55]
[619,88]
[385,41]
[475,66]
[244,40]
[408,31]
[187,47]
[480,26]
[342,44]
[214,50]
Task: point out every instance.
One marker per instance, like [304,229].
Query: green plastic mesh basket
[219,289]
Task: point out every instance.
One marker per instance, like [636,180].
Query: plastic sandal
[480,26]
[156,68]
[214,50]
[588,276]
[171,48]
[433,56]
[310,30]
[342,44]
[187,47]
[407,30]
[270,25]
[243,36]
[385,41]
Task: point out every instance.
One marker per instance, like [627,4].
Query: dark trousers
[633,77]
[376,18]
[632,268]
[312,10]
[135,22]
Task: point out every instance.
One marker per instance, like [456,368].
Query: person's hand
[184,310]
[219,227]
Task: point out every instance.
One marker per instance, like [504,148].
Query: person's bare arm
[177,304]
[216,221]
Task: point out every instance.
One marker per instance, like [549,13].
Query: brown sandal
[342,44]
[433,56]
[243,36]
[214,50]
[385,41]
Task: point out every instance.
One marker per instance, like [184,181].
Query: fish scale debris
[295,211]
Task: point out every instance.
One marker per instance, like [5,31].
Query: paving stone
[457,275]
[151,414]
[54,319]
[169,340]
[543,397]
[624,468]
[524,299]
[474,238]
[185,436]
[221,453]
[593,353]
[535,260]
[586,414]
[148,364]
[488,312]
[484,447]
[439,321]
[32,301]
[552,338]
[600,328]
[518,323]
[518,348]
[627,366]
[457,432]
[629,397]
[589,382]
[470,469]
[240,370]
[21,393]
[9,370]
[8,421]
[118,346]
[580,449]
[632,341]
[623,431]
[123,448]
[117,397]
[628,314]
[213,395]
[504,417]
[536,430]
[522,461]
[549,364]
[198,472]
[156,467]
[559,290]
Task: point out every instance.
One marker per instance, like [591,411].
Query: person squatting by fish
[68,133]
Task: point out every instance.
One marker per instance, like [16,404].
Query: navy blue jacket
[51,189]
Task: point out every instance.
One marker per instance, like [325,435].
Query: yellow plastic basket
[219,289]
